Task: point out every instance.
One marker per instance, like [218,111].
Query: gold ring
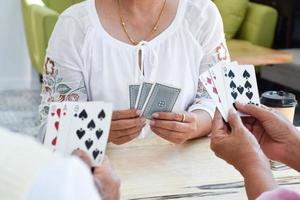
[183,117]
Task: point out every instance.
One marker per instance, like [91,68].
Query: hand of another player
[171,127]
[126,125]
[107,181]
[273,131]
[237,146]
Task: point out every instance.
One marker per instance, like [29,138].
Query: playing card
[53,125]
[209,85]
[241,84]
[133,94]
[217,75]
[65,124]
[162,98]
[143,95]
[89,129]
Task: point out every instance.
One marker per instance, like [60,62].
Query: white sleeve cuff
[209,107]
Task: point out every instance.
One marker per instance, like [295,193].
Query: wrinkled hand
[237,146]
[126,125]
[108,182]
[273,131]
[169,125]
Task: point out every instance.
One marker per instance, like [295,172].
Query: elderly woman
[99,47]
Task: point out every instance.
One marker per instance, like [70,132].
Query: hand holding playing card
[236,145]
[175,127]
[107,181]
[126,125]
[273,131]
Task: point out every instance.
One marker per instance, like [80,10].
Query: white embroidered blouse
[85,63]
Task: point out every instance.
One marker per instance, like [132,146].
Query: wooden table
[246,53]
[155,169]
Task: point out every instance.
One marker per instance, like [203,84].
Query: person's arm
[63,75]
[258,178]
[240,148]
[278,137]
[211,37]
[292,158]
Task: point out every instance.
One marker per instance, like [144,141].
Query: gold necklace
[154,29]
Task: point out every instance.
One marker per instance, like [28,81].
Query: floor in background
[19,111]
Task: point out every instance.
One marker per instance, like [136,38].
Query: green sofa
[258,25]
[40,17]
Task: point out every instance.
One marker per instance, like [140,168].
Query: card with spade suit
[231,82]
[89,129]
[241,84]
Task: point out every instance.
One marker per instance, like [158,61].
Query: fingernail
[138,112]
[155,115]
[234,105]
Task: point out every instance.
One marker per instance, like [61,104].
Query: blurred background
[261,32]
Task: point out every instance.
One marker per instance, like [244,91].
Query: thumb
[260,113]
[234,120]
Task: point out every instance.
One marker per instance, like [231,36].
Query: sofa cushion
[233,13]
[60,5]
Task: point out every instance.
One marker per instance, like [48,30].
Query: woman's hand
[277,137]
[126,125]
[107,181]
[235,144]
[176,127]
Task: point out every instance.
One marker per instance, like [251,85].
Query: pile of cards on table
[152,97]
[227,83]
[79,125]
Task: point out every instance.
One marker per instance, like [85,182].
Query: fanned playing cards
[228,83]
[153,97]
[79,125]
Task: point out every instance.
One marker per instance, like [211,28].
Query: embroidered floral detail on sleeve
[56,89]
[202,92]
[222,52]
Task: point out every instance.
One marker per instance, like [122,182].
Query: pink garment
[279,194]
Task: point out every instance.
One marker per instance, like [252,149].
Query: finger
[170,125]
[248,120]
[127,123]
[125,139]
[218,123]
[125,114]
[83,156]
[259,113]
[127,132]
[171,116]
[234,120]
[175,137]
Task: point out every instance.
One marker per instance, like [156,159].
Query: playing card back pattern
[162,99]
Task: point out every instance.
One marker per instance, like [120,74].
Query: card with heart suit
[85,126]
[233,83]
[53,126]
[207,80]
[241,84]
[219,82]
